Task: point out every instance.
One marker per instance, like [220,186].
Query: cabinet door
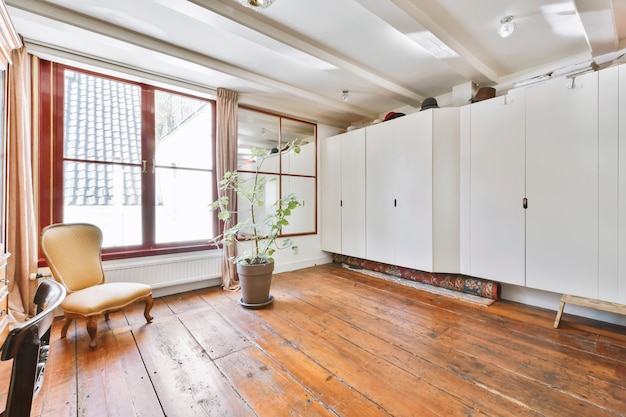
[622,187]
[353,194]
[497,187]
[330,187]
[412,173]
[380,192]
[608,136]
[446,177]
[562,186]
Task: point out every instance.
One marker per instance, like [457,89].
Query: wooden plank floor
[335,343]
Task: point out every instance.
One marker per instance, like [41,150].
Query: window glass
[183,163]
[102,156]
[108,196]
[102,119]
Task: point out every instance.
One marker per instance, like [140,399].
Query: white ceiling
[296,56]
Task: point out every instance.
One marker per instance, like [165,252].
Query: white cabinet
[608,193]
[382,180]
[562,186]
[613,184]
[343,194]
[412,191]
[561,144]
[330,190]
[497,188]
[621,291]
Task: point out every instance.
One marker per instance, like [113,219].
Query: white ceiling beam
[259,23]
[60,14]
[453,42]
[406,24]
[598,19]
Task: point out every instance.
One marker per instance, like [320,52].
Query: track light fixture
[507,26]
[257,4]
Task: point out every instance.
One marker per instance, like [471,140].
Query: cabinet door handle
[525,203]
[395,202]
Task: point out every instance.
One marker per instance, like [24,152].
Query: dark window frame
[49,158]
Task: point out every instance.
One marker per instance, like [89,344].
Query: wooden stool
[588,302]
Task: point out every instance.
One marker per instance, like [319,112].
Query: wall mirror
[291,173]
[261,131]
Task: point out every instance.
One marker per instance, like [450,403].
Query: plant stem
[253,200]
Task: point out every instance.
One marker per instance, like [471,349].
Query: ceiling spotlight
[257,4]
[507,26]
[345,95]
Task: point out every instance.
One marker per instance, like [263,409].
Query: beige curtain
[21,224]
[227,104]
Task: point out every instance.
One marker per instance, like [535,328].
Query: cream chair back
[73,254]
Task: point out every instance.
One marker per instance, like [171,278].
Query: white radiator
[166,270]
[168,274]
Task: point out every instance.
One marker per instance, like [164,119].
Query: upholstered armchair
[73,254]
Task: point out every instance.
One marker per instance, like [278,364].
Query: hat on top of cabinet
[429,103]
[393,115]
[484,93]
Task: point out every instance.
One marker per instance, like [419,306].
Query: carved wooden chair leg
[66,326]
[146,311]
[92,329]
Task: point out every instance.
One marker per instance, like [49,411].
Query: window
[134,159]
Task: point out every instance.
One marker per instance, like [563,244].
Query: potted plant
[259,224]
